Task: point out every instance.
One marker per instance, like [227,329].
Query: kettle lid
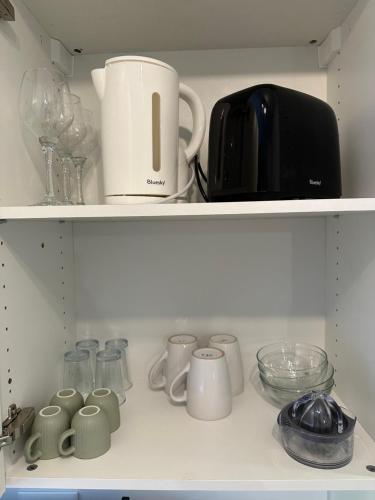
[147,60]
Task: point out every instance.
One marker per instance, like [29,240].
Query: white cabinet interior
[262,279]
[146,272]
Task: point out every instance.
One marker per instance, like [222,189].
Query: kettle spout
[98,77]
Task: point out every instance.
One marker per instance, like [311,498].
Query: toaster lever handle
[222,138]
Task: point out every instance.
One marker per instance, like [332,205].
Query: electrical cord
[182,191]
[198,172]
[201,170]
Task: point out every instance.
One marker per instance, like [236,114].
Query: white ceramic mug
[174,358]
[231,347]
[208,395]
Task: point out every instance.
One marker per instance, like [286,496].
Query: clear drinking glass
[83,151]
[109,372]
[92,346]
[122,346]
[69,140]
[46,110]
[77,371]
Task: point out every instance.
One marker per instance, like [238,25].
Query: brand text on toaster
[315,183]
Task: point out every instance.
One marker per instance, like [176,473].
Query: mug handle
[64,436]
[153,371]
[199,120]
[183,398]
[31,457]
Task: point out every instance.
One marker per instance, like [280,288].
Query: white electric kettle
[139,98]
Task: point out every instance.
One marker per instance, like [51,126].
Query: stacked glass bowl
[288,370]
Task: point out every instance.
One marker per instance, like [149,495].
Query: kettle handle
[199,120]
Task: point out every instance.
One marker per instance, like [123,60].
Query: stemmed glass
[83,150]
[69,140]
[46,109]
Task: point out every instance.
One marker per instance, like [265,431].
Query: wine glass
[46,110]
[83,151]
[69,140]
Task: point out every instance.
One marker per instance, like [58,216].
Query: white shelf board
[237,210]
[146,25]
[159,447]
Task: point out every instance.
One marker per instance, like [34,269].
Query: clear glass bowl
[291,360]
[299,383]
[281,396]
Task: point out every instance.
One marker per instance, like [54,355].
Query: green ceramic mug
[107,400]
[90,434]
[70,400]
[46,430]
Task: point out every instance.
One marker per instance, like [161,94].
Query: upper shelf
[146,25]
[190,211]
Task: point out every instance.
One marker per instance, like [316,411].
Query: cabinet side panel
[23,45]
[37,311]
[350,315]
[351,83]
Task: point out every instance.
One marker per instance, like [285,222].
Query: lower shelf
[159,447]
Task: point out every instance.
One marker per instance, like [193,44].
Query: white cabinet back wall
[260,280]
[212,74]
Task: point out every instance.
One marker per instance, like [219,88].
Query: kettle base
[131,199]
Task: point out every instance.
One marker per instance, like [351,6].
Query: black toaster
[268,142]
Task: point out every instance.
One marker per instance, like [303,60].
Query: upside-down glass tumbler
[91,345]
[77,372]
[109,372]
[121,345]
